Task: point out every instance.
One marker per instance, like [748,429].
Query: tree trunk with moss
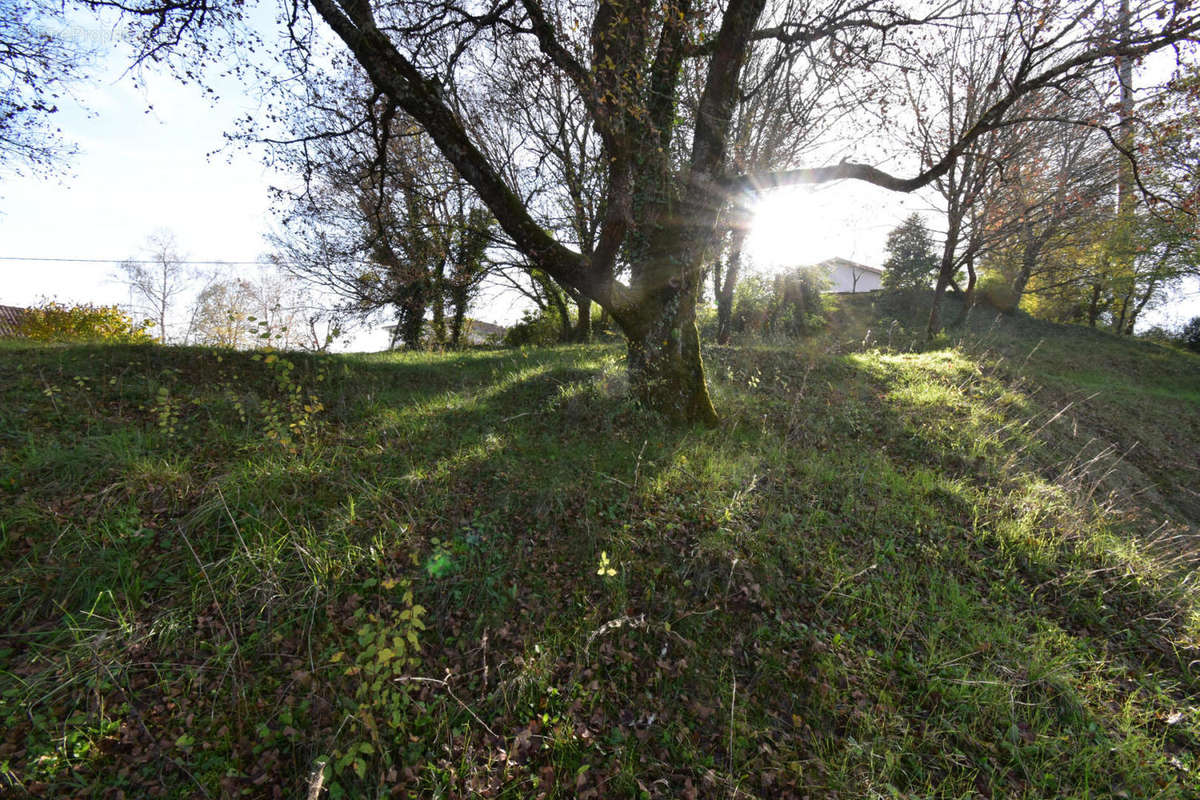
[411,319]
[583,320]
[945,274]
[666,371]
[437,325]
[459,302]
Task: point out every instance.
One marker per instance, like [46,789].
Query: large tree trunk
[583,320]
[1029,257]
[459,301]
[945,275]
[725,288]
[666,372]
[438,323]
[412,319]
[657,310]
[1093,311]
[665,368]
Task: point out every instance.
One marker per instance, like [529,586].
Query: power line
[137,261]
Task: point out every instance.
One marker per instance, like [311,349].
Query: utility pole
[1125,116]
[1125,178]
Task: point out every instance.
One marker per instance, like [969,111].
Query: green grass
[898,568]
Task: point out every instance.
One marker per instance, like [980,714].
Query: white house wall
[841,279]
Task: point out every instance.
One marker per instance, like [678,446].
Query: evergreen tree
[1190,336]
[911,261]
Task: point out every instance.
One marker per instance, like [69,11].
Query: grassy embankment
[947,569]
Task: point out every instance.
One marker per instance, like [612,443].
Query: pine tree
[911,261]
[1190,335]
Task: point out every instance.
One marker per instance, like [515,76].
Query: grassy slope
[897,568]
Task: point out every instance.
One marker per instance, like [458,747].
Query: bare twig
[843,582]
[445,684]
[732,708]
[316,782]
[620,622]
[485,661]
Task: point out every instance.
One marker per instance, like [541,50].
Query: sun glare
[794,227]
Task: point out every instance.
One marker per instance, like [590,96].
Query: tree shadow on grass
[820,552]
[512,455]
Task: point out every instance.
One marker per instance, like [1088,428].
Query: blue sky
[142,165]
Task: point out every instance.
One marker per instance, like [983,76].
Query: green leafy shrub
[288,416]
[751,305]
[994,291]
[797,304]
[385,647]
[534,328]
[790,304]
[55,322]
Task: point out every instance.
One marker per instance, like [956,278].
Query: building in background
[10,320]
[475,332]
[849,277]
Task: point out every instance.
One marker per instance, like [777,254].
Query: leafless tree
[1048,196]
[248,309]
[381,220]
[157,279]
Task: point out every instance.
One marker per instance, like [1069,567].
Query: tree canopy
[37,65]
[655,86]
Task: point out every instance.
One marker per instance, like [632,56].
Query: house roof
[834,263]
[472,325]
[10,320]
[484,328]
